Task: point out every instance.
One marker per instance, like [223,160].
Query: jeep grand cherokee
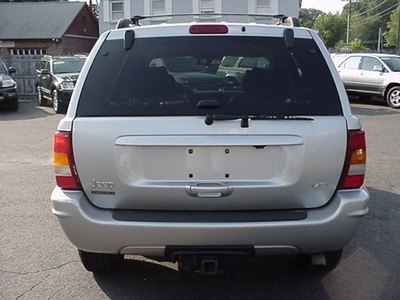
[194,171]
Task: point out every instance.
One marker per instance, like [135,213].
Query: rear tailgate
[179,163]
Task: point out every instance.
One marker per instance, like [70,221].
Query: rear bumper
[324,229]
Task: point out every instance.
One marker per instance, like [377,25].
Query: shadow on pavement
[271,278]
[27,110]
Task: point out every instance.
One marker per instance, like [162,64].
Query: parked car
[189,71]
[8,88]
[234,67]
[368,74]
[55,80]
[195,174]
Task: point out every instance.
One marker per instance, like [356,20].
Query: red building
[29,30]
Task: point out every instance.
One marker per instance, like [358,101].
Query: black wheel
[41,100]
[99,262]
[332,259]
[14,105]
[393,97]
[57,106]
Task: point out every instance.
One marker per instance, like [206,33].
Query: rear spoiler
[282,19]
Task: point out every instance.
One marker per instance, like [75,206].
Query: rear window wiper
[209,120]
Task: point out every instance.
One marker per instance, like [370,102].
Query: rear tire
[100,262]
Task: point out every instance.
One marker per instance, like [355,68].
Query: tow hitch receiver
[206,265]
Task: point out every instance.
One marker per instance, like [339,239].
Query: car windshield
[3,69]
[68,65]
[393,62]
[181,76]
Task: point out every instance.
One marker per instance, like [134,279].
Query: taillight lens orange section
[354,170]
[64,168]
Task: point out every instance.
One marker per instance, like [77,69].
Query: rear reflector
[208,29]
[354,169]
[64,168]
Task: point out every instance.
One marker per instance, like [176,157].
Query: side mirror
[11,70]
[378,68]
[44,72]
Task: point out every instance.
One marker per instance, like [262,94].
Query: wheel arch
[389,87]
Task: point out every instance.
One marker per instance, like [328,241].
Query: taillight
[64,167]
[208,29]
[354,169]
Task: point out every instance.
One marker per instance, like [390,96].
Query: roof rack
[135,20]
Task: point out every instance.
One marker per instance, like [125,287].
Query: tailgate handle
[209,190]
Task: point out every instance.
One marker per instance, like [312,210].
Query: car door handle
[209,190]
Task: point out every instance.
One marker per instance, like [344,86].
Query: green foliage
[332,28]
[308,16]
[356,45]
[391,34]
[368,17]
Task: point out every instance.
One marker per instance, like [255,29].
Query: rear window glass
[181,76]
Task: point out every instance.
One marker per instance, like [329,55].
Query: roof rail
[135,20]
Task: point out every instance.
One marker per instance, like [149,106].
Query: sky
[332,6]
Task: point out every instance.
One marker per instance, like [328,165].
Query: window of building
[157,7]
[263,7]
[28,52]
[116,10]
[207,6]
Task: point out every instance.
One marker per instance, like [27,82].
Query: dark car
[55,80]
[8,88]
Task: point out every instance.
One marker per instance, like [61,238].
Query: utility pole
[380,40]
[348,22]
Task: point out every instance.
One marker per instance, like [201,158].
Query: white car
[147,163]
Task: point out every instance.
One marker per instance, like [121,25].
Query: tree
[391,29]
[367,16]
[308,16]
[332,29]
[94,7]
[356,45]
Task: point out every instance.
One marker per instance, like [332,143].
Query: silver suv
[197,170]
[368,75]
